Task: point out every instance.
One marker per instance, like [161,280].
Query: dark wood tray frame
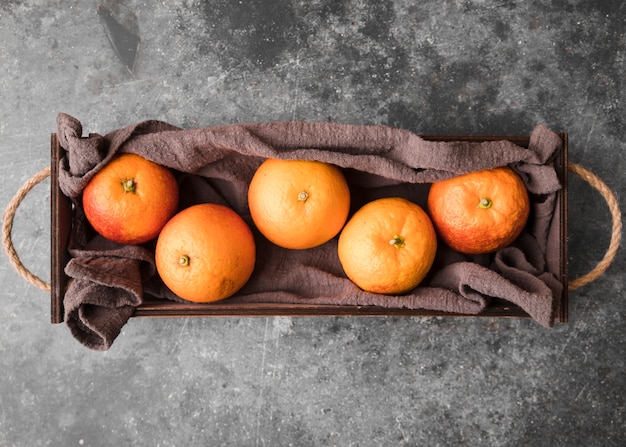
[61,222]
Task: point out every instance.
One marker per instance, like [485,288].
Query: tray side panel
[162,308]
[61,223]
[562,172]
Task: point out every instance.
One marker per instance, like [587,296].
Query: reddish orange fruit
[298,204]
[480,212]
[388,246]
[205,253]
[130,199]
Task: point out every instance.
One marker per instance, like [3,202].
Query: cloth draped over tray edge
[215,164]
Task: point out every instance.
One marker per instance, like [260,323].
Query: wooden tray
[61,223]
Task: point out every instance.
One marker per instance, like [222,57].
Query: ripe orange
[205,253]
[480,212]
[298,204]
[130,199]
[388,246]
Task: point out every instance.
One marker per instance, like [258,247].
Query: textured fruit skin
[465,226]
[130,217]
[219,249]
[276,207]
[369,258]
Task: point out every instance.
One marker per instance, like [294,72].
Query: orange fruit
[130,199]
[479,212]
[388,246]
[205,253]
[298,204]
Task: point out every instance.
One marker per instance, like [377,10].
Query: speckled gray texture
[486,67]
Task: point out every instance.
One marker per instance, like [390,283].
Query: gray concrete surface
[485,67]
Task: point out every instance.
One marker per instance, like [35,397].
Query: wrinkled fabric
[215,164]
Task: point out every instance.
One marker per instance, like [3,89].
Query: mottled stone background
[453,67]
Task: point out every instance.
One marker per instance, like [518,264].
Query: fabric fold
[215,164]
[106,288]
[101,297]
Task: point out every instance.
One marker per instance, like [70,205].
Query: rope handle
[616,230]
[589,177]
[7,227]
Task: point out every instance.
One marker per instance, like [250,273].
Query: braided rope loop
[616,230]
[7,228]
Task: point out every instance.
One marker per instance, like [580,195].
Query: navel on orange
[130,199]
[205,253]
[479,212]
[298,204]
[388,246]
